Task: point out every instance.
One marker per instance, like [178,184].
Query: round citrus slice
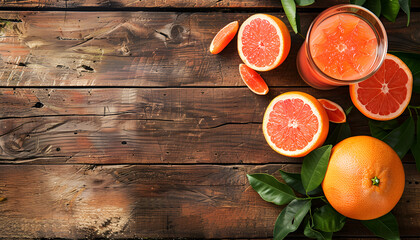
[223,37]
[334,111]
[294,124]
[386,94]
[253,80]
[263,42]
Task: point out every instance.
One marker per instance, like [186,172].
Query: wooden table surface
[117,122]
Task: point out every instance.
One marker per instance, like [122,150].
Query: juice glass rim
[381,36]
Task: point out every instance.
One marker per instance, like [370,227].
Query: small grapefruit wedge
[223,37]
[386,94]
[294,124]
[253,80]
[263,42]
[334,111]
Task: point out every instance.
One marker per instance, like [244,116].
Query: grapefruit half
[263,42]
[386,94]
[294,124]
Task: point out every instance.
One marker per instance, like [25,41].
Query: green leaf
[374,6]
[341,131]
[304,2]
[348,110]
[290,218]
[310,232]
[358,2]
[401,138]
[289,7]
[314,167]
[328,220]
[294,181]
[405,6]
[385,227]
[379,129]
[270,189]
[415,149]
[390,9]
[413,63]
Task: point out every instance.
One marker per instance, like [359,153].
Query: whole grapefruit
[364,179]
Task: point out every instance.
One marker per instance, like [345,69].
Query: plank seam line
[160,164]
[169,9]
[140,87]
[88,115]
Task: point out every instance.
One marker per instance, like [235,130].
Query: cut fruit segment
[253,80]
[223,37]
[334,111]
[294,124]
[263,42]
[385,95]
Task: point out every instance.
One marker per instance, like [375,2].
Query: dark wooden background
[116,121]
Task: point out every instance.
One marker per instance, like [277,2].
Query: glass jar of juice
[345,44]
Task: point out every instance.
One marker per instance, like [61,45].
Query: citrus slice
[223,37]
[253,80]
[344,47]
[386,94]
[294,124]
[263,42]
[334,111]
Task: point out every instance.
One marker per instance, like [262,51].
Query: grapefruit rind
[337,108]
[246,83]
[354,87]
[283,34]
[317,109]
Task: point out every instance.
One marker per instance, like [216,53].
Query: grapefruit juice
[345,44]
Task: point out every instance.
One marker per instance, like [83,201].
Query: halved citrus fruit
[223,37]
[386,94]
[334,111]
[294,124]
[253,80]
[263,42]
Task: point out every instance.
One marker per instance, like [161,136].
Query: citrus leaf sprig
[319,220]
[300,208]
[387,8]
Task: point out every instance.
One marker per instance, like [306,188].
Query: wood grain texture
[126,125]
[204,201]
[255,4]
[165,49]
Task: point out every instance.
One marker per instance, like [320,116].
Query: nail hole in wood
[38,105]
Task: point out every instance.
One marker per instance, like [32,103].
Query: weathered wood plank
[194,125]
[256,4]
[203,201]
[140,49]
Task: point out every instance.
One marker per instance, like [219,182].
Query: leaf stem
[310,198]
[409,107]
